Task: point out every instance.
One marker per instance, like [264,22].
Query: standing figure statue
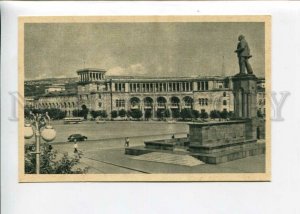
[243,53]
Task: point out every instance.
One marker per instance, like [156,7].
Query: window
[206,85]
[120,103]
[200,101]
[224,102]
[224,94]
[100,105]
[99,96]
[203,102]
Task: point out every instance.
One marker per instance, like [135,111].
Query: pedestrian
[75,147]
[126,141]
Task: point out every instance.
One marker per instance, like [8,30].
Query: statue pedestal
[244,91]
[220,142]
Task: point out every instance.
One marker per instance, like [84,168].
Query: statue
[243,54]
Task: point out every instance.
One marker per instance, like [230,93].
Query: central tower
[91,75]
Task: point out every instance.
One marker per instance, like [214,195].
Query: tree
[148,114]
[160,113]
[195,114]
[122,113]
[224,114]
[167,113]
[95,114]
[203,114]
[54,113]
[175,113]
[76,113]
[259,113]
[114,114]
[136,114]
[103,114]
[50,163]
[214,114]
[84,112]
[27,112]
[186,114]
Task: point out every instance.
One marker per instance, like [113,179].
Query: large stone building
[96,91]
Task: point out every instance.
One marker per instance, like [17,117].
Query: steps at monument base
[184,160]
[231,155]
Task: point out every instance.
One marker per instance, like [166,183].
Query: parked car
[76,137]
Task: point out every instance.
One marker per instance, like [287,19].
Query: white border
[279,196]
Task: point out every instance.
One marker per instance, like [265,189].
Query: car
[76,137]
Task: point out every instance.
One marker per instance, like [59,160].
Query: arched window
[224,102]
[206,102]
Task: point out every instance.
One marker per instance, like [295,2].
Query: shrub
[136,114]
[186,114]
[175,113]
[122,113]
[49,164]
[167,113]
[214,114]
[104,114]
[224,114]
[54,113]
[259,113]
[160,113]
[95,114]
[203,114]
[195,114]
[114,114]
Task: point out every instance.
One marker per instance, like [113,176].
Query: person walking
[126,141]
[75,147]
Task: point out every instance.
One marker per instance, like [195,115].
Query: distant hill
[37,87]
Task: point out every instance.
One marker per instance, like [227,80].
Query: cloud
[137,69]
[132,70]
[116,71]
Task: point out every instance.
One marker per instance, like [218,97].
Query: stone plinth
[218,142]
[245,92]
[217,132]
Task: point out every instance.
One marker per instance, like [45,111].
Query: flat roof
[99,70]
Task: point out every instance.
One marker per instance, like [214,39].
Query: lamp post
[39,126]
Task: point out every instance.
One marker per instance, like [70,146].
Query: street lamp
[39,125]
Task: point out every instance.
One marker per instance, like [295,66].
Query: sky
[140,49]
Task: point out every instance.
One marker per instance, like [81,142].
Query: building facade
[96,91]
